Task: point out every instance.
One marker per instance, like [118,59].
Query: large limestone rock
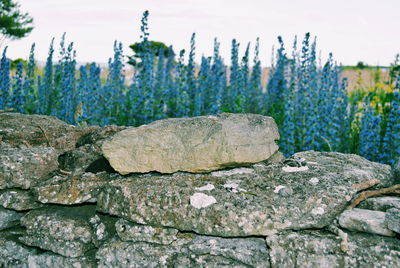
[260,200]
[198,144]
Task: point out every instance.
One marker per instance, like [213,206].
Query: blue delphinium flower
[370,133]
[254,94]
[182,102]
[277,86]
[233,89]
[391,141]
[30,94]
[4,81]
[218,78]
[244,82]
[17,101]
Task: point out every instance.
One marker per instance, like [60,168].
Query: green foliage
[155,48]
[14,24]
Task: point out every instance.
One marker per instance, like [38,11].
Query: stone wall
[63,204]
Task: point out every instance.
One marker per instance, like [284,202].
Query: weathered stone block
[198,144]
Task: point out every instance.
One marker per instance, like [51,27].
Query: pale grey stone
[198,144]
[63,230]
[19,200]
[316,249]
[12,253]
[364,220]
[188,251]
[381,203]
[26,131]
[129,231]
[9,218]
[23,168]
[76,188]
[392,219]
[252,207]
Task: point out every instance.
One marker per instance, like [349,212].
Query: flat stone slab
[76,188]
[23,168]
[25,131]
[258,200]
[197,144]
[63,230]
[129,231]
[364,220]
[189,250]
[381,203]
[314,249]
[20,200]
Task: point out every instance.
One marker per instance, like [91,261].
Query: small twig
[26,143]
[367,194]
[342,235]
[366,184]
[64,172]
[45,136]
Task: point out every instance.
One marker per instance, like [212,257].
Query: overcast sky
[353,30]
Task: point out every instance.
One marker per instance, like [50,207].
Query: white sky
[353,30]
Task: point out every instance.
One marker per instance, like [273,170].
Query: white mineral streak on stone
[312,163]
[233,187]
[231,172]
[200,200]
[318,211]
[278,188]
[314,180]
[207,187]
[294,169]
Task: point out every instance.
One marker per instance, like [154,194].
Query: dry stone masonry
[196,192]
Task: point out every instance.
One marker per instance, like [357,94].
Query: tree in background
[13,23]
[155,48]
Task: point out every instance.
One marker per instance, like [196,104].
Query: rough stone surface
[76,188]
[381,203]
[25,131]
[129,231]
[19,200]
[198,144]
[23,168]
[9,218]
[13,253]
[189,251]
[396,172]
[261,200]
[281,212]
[319,249]
[65,231]
[50,260]
[392,219]
[364,220]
